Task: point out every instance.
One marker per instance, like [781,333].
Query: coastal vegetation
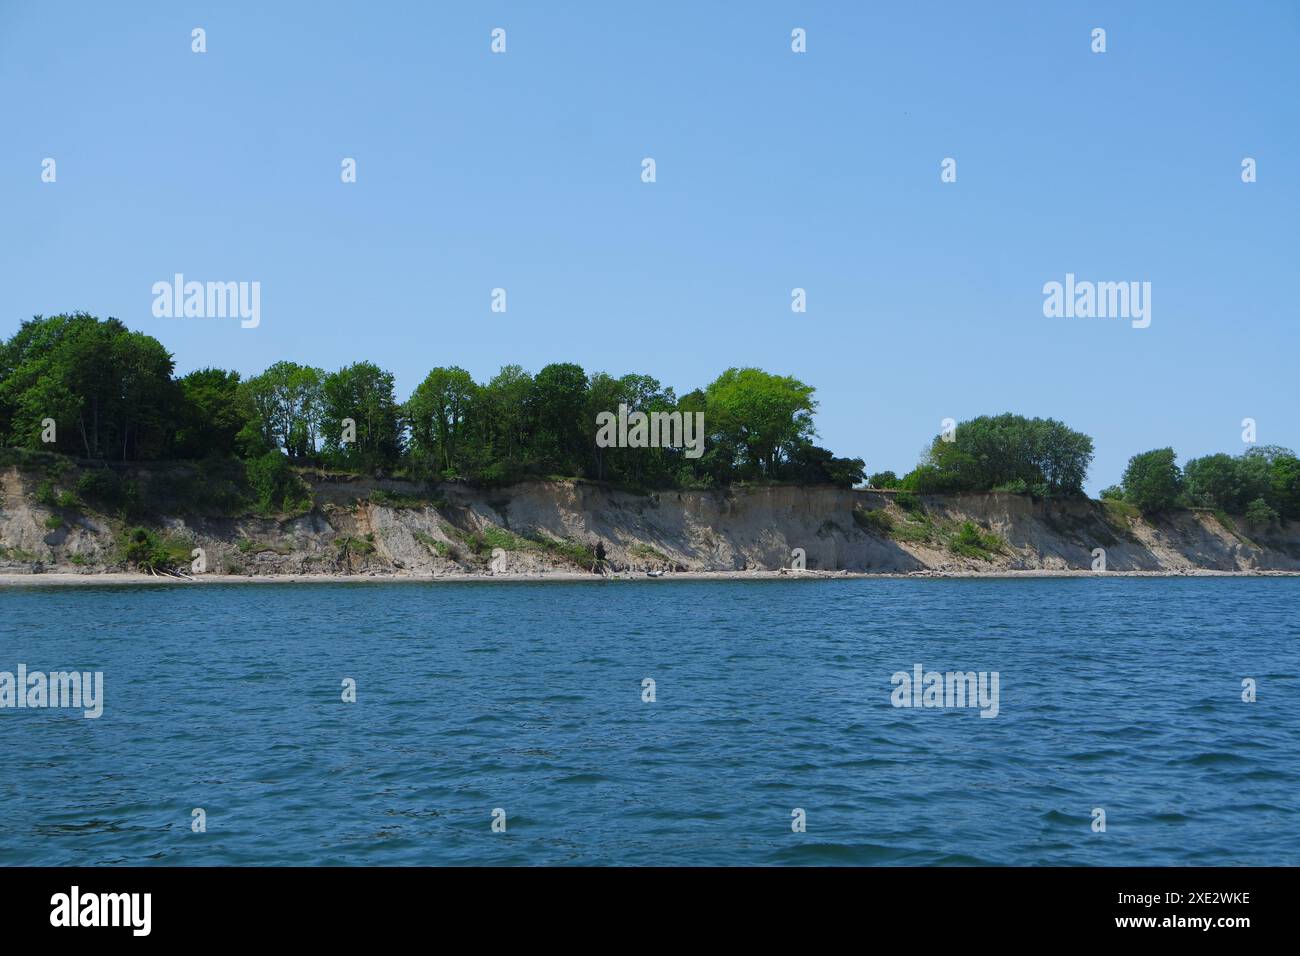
[82,400]
[1262,484]
[100,392]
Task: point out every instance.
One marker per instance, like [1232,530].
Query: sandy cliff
[367,526]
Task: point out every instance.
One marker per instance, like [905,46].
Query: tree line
[1038,456]
[112,394]
[1262,483]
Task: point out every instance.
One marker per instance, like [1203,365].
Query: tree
[1039,454]
[558,404]
[211,416]
[437,412]
[362,392]
[1284,485]
[883,479]
[109,390]
[763,417]
[1152,481]
[1260,516]
[287,407]
[810,464]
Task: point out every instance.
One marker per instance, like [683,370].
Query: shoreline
[129,579]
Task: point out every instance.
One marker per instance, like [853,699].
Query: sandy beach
[60,579]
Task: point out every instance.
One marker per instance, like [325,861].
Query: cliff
[374,526]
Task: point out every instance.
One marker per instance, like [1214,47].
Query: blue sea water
[1123,694]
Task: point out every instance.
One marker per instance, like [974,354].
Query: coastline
[127,579]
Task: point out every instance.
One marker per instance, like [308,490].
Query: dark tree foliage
[1037,454]
[1153,481]
[105,392]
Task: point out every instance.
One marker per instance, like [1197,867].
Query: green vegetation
[54,522]
[1263,484]
[647,553]
[1040,455]
[873,520]
[1260,515]
[349,545]
[440,548]
[1152,481]
[46,495]
[1266,477]
[909,502]
[391,499]
[480,543]
[276,486]
[971,542]
[147,550]
[112,395]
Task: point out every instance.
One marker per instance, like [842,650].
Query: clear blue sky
[775,170]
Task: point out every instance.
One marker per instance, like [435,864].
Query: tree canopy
[112,393]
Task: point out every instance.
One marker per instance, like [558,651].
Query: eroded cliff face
[368,526]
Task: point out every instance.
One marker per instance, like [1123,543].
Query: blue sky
[774,171]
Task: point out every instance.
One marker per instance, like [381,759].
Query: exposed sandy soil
[738,533]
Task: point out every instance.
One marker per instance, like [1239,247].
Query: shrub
[102,487]
[873,521]
[276,486]
[909,502]
[1112,493]
[1260,516]
[973,543]
[1016,486]
[54,522]
[142,547]
[883,479]
[349,545]
[1152,481]
[45,494]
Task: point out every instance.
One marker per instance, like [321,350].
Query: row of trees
[1263,483]
[1008,452]
[112,394]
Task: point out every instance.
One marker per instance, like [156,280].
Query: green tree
[1284,485]
[1152,481]
[1006,450]
[287,408]
[109,390]
[558,405]
[362,392]
[762,416]
[211,416]
[1260,516]
[438,413]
